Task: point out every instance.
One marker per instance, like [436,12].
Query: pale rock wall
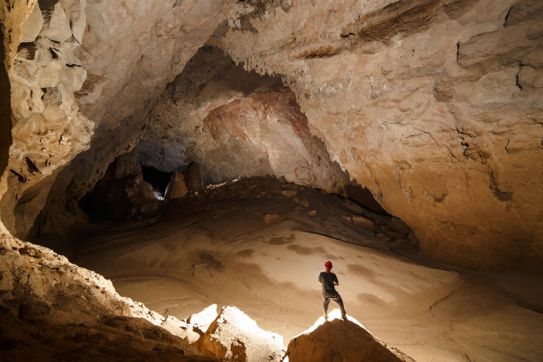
[435,106]
[13,15]
[235,123]
[48,129]
[95,69]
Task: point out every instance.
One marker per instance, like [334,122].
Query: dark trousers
[336,298]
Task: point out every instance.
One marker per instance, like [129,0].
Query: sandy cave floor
[259,245]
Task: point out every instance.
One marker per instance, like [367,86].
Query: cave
[271,180]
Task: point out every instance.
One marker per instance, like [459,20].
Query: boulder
[338,341]
[177,187]
[234,336]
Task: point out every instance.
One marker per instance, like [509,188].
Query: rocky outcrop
[122,194]
[435,106]
[234,336]
[177,187]
[341,341]
[54,310]
[95,68]
[235,123]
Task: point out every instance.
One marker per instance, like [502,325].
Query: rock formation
[341,341]
[433,105]
[122,194]
[234,123]
[87,73]
[234,336]
[177,187]
[54,310]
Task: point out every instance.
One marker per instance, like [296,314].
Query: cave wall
[235,124]
[82,84]
[435,106]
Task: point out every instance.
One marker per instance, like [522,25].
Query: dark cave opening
[157,178]
[364,198]
[127,191]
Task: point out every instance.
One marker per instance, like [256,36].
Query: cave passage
[158,179]
[204,159]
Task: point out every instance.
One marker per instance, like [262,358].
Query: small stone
[271,218]
[289,193]
[354,207]
[301,201]
[383,237]
[363,222]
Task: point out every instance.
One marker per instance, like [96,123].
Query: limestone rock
[58,28]
[363,222]
[177,187]
[433,106]
[32,25]
[44,298]
[272,218]
[194,176]
[234,123]
[289,193]
[234,336]
[342,341]
[100,81]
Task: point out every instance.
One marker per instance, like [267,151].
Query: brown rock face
[341,341]
[234,336]
[53,310]
[435,106]
[235,123]
[94,69]
[177,187]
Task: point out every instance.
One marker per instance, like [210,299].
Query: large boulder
[234,336]
[177,187]
[54,310]
[338,341]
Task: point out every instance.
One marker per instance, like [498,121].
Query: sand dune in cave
[227,251]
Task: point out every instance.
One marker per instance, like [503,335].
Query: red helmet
[328,264]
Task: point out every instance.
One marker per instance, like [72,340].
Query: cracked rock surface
[435,106]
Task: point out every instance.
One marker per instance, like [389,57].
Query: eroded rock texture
[56,310]
[94,68]
[235,123]
[342,341]
[435,106]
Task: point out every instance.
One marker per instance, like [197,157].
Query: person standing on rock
[329,281]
